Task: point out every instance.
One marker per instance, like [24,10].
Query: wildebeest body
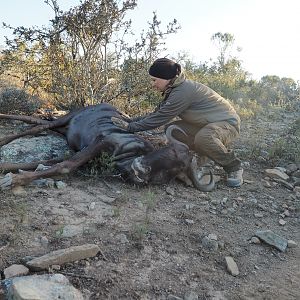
[90,131]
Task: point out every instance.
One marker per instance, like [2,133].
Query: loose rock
[42,287]
[232,266]
[15,270]
[63,256]
[272,239]
[275,173]
[292,244]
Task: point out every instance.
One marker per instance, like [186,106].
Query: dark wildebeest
[90,131]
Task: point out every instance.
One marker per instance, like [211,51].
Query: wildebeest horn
[193,167]
[170,137]
[193,174]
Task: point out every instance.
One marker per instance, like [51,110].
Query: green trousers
[211,141]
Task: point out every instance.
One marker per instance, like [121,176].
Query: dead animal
[89,131]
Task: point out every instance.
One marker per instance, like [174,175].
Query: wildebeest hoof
[6,181]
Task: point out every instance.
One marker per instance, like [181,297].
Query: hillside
[170,241]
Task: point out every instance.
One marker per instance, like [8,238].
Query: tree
[278,91]
[223,41]
[76,58]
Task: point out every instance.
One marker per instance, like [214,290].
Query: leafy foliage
[83,57]
[103,164]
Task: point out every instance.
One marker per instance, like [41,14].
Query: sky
[267,31]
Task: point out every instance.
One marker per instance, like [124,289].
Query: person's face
[159,83]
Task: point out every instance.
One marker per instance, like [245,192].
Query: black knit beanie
[164,68]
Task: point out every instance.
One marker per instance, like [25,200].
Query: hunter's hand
[120,123]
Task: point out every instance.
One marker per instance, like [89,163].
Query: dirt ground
[151,238]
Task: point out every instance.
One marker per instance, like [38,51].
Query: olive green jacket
[193,102]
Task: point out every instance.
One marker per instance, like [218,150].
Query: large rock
[25,150]
[63,256]
[41,287]
[275,173]
[272,239]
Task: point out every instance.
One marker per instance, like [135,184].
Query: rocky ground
[166,242]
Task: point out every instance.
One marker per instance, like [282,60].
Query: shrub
[247,109]
[287,148]
[17,101]
[101,165]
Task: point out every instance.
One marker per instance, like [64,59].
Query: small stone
[189,221]
[190,295]
[42,167]
[55,267]
[170,191]
[209,244]
[122,238]
[232,266]
[107,199]
[281,169]
[217,295]
[259,215]
[292,244]
[282,222]
[69,231]
[213,237]
[92,206]
[60,184]
[44,241]
[189,206]
[221,245]
[15,271]
[266,183]
[246,164]
[50,182]
[291,168]
[224,200]
[203,203]
[215,202]
[255,240]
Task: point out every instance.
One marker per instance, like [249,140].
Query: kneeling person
[210,121]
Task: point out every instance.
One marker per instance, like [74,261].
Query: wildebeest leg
[26,119]
[65,167]
[32,131]
[28,166]
[42,125]
[38,121]
[124,155]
